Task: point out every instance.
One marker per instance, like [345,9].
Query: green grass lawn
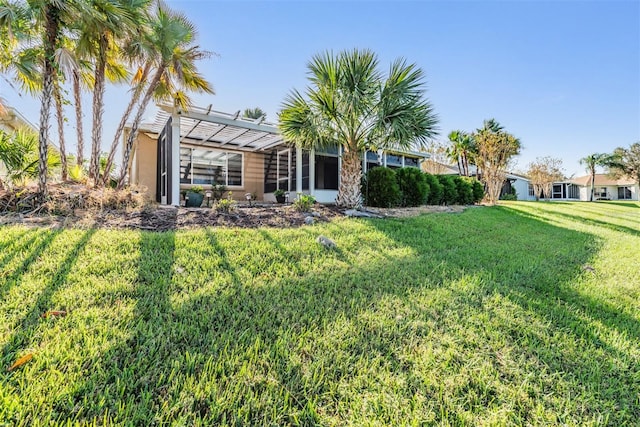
[482,318]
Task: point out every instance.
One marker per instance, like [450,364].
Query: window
[531,192]
[394,161]
[208,167]
[624,193]
[326,172]
[412,162]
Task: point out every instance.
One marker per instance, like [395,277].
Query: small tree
[543,172]
[592,161]
[626,162]
[438,159]
[495,148]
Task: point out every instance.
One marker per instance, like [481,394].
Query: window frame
[226,153]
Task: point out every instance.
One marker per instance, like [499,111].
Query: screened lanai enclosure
[202,147]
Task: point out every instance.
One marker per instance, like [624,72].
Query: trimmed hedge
[478,191]
[464,189]
[435,189]
[413,186]
[380,188]
[449,190]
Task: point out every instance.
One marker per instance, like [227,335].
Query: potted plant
[194,197]
[279,194]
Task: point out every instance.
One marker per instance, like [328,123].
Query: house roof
[207,127]
[12,119]
[217,129]
[601,180]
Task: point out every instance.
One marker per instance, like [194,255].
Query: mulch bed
[171,218]
[76,206]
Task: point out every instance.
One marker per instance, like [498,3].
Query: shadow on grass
[35,245]
[627,204]
[589,221]
[25,328]
[236,353]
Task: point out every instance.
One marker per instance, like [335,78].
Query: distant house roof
[11,119]
[601,180]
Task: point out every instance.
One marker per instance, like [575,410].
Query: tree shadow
[629,204]
[25,328]
[245,351]
[584,220]
[36,245]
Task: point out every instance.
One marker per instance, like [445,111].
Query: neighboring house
[183,148]
[12,119]
[607,188]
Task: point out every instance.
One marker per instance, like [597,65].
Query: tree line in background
[490,149]
[49,45]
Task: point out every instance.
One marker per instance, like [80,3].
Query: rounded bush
[380,188]
[478,191]
[435,189]
[413,186]
[464,189]
[449,190]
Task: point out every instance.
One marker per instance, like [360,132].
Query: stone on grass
[364,214]
[309,220]
[326,242]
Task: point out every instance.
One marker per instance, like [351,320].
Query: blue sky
[562,76]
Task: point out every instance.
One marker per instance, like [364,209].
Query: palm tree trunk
[136,125]
[60,117]
[350,177]
[98,93]
[78,105]
[123,121]
[52,28]
[593,182]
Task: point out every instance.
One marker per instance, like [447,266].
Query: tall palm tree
[102,28]
[592,161]
[173,58]
[352,105]
[454,151]
[50,18]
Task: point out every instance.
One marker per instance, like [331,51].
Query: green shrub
[449,190]
[464,189]
[478,191]
[413,186]
[380,188]
[510,196]
[435,189]
[304,202]
[226,205]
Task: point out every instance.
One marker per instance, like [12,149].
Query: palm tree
[107,23]
[19,155]
[50,17]
[453,151]
[173,58]
[592,161]
[254,113]
[352,105]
